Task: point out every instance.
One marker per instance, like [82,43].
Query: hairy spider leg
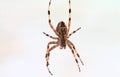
[69,19]
[73,46]
[73,52]
[73,32]
[49,20]
[48,53]
[50,36]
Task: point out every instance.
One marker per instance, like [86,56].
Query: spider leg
[73,46]
[50,36]
[52,42]
[70,46]
[48,54]
[49,20]
[69,20]
[73,32]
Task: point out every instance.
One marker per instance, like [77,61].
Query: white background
[23,45]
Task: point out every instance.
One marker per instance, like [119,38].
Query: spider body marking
[62,31]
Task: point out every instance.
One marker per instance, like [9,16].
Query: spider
[62,40]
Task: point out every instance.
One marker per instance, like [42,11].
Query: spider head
[63,44]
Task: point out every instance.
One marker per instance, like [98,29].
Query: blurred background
[23,45]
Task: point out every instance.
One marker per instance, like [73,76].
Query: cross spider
[62,40]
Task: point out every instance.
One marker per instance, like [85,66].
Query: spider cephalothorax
[62,31]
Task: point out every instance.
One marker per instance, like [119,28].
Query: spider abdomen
[61,29]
